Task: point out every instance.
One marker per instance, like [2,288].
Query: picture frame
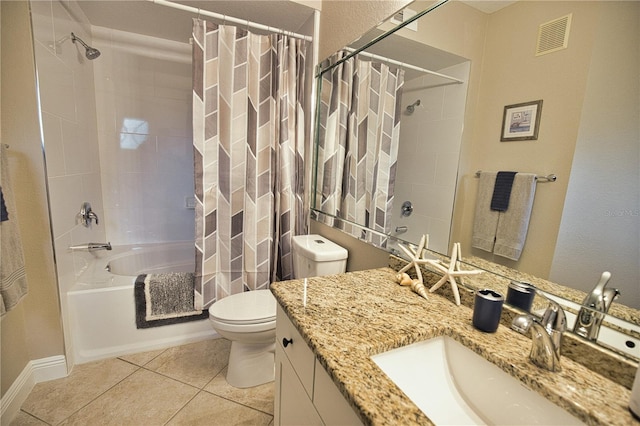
[521,122]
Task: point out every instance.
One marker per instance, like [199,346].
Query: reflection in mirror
[581,225]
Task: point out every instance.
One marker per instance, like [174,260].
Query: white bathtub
[101,307]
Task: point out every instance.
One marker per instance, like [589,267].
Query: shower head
[411,108]
[91,53]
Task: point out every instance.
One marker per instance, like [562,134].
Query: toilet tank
[314,256]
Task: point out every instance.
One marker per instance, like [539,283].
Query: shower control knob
[286,342]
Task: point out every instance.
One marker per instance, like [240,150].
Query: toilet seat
[250,311]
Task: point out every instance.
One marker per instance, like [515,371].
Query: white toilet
[248,319]
[315,256]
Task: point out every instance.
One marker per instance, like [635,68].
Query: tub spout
[91,247]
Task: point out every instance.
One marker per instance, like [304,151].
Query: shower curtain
[248,124]
[359,132]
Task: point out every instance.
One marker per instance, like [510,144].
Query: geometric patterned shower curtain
[359,134]
[249,136]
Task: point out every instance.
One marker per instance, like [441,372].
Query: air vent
[403,16]
[553,35]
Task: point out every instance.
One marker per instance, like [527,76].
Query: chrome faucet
[91,247]
[594,307]
[86,215]
[546,334]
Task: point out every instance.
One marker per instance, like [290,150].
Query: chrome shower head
[90,53]
[411,108]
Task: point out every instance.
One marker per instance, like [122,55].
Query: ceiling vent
[403,16]
[553,35]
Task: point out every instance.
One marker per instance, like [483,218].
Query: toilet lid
[250,307]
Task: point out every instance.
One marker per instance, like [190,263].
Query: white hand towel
[13,279]
[485,221]
[514,222]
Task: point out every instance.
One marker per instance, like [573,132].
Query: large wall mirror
[435,118]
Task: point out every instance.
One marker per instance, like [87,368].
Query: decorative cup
[520,295]
[487,309]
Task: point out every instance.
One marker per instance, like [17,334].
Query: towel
[165,299]
[4,214]
[502,191]
[514,223]
[13,277]
[485,221]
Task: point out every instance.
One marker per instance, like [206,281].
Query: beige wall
[602,231]
[33,330]
[511,74]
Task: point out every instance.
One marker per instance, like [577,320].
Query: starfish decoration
[451,271]
[416,257]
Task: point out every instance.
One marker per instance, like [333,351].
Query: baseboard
[39,370]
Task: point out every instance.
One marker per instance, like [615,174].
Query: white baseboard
[36,371]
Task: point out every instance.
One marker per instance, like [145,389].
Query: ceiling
[488,6]
[145,17]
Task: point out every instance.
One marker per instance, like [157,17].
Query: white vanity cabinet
[305,394]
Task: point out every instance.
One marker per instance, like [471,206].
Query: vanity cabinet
[305,393]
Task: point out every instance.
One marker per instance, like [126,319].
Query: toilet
[315,256]
[248,319]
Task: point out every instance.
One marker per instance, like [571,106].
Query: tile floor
[183,385]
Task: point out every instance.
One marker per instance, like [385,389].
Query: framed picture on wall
[521,122]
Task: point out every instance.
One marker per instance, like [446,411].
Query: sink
[452,384]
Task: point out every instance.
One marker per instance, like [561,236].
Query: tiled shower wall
[143,96]
[117,133]
[428,156]
[65,79]
[137,94]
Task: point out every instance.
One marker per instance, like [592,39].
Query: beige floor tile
[141,358]
[144,398]
[207,409]
[258,397]
[56,400]
[195,364]
[24,419]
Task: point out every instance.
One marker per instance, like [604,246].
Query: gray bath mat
[164,299]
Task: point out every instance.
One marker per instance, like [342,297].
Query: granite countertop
[349,317]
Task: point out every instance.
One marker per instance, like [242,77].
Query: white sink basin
[453,385]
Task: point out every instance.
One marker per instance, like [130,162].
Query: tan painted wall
[511,74]
[33,330]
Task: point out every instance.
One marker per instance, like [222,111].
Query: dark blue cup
[520,295]
[487,308]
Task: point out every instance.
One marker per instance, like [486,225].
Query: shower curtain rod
[405,65]
[231,19]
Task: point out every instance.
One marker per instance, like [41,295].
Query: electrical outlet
[190,202]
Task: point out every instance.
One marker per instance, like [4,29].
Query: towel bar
[547,178]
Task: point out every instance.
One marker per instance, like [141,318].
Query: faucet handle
[86,215]
[92,216]
[554,317]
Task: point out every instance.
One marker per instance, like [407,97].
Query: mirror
[587,220]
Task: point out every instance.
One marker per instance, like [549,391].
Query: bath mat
[164,299]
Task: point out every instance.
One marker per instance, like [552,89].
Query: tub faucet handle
[86,215]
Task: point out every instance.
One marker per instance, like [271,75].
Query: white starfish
[451,271]
[416,257]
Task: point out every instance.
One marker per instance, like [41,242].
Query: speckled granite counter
[350,317]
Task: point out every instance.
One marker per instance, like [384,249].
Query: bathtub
[101,307]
